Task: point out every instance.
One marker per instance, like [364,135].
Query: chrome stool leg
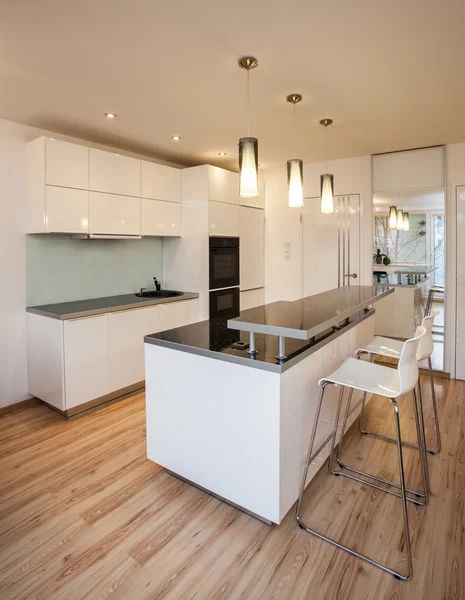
[435,409]
[403,496]
[424,466]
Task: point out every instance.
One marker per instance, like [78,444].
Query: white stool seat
[384,347]
[367,377]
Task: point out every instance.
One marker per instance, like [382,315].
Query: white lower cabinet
[86,359]
[126,331]
[178,314]
[112,214]
[160,218]
[74,361]
[223,219]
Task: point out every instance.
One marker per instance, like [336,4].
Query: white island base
[242,432]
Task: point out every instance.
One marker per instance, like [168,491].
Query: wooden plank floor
[83,514]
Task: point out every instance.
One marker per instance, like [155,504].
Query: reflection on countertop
[380,278]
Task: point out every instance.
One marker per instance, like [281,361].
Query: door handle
[353,275]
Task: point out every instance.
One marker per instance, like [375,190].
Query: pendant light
[400,219]
[406,221]
[248,146]
[326,180]
[393,217]
[295,171]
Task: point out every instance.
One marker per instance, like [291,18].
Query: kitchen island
[238,424]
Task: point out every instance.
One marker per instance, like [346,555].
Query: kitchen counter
[393,281]
[238,426]
[97,306]
[307,324]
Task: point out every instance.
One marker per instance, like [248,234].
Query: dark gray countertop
[307,317]
[97,306]
[214,338]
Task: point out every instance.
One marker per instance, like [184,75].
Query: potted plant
[381,258]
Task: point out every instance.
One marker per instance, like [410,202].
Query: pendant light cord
[248,103]
[326,147]
[294,133]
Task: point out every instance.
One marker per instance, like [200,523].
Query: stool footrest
[391,439]
[367,559]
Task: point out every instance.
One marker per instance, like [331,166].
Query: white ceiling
[391,74]
[414,200]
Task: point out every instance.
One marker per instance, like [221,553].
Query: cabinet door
[159,182]
[223,186]
[252,298]
[126,331]
[86,359]
[460,340]
[259,201]
[223,219]
[114,174]
[177,314]
[160,218]
[112,214]
[67,210]
[252,248]
[66,164]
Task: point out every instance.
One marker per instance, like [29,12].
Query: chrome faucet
[157,284]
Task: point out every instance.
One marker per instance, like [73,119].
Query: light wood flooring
[84,514]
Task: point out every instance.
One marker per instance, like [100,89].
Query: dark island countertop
[213,338]
[98,306]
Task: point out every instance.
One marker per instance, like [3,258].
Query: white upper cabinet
[223,219]
[113,214]
[67,210]
[223,186]
[259,201]
[114,173]
[159,182]
[252,248]
[66,164]
[160,218]
[56,187]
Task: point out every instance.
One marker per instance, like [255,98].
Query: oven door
[224,267]
[224,303]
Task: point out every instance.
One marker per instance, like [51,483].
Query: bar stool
[392,349]
[390,384]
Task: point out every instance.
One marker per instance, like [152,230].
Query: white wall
[13,138]
[283,276]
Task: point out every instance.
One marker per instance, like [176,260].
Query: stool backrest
[425,347]
[408,366]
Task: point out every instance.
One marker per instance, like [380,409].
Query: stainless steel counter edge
[309,333]
[255,362]
[99,311]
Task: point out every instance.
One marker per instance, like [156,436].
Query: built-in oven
[224,262]
[224,303]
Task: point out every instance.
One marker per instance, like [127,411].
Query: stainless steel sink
[159,294]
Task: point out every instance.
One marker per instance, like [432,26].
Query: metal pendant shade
[295,169]
[248,146]
[326,180]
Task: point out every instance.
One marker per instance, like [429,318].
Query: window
[402,246]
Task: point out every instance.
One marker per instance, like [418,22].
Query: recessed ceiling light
[221,153]
[110,115]
[175,138]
